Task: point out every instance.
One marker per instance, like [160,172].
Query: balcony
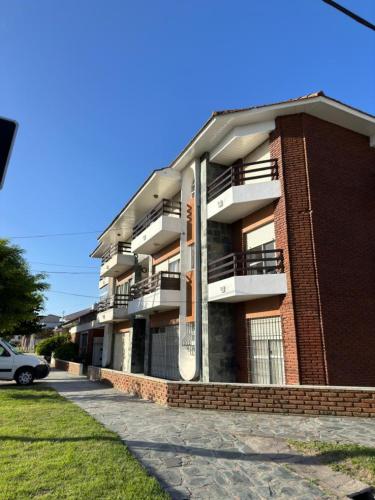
[243,276]
[159,292]
[242,189]
[158,228]
[113,309]
[117,259]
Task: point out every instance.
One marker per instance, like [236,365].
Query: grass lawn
[354,460]
[50,448]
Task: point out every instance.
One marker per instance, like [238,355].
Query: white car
[23,368]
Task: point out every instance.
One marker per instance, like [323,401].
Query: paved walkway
[212,454]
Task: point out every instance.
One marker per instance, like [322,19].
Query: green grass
[355,460]
[51,449]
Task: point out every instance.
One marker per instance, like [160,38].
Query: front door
[97,351]
[6,363]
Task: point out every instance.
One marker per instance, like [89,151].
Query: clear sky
[106,91]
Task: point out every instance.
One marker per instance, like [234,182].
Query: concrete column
[107,345]
[204,339]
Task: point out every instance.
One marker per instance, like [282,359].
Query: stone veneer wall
[69,366]
[293,400]
[217,318]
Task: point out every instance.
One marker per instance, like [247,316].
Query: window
[3,352]
[124,288]
[174,266]
[191,257]
[266,356]
[260,243]
[267,262]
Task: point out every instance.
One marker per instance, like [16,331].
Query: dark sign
[7,133]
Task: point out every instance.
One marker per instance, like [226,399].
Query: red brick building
[251,257]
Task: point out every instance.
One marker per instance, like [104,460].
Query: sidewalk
[212,454]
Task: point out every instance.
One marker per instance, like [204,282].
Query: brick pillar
[300,309]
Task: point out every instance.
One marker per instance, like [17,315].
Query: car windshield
[11,347]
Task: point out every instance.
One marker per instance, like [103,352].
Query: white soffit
[321,107]
[163,183]
[240,141]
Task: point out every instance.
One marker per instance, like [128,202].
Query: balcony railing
[115,301]
[164,280]
[244,173]
[165,207]
[114,249]
[246,263]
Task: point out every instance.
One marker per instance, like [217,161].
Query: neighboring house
[87,333]
[251,257]
[48,323]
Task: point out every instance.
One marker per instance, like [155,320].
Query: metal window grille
[266,350]
[164,353]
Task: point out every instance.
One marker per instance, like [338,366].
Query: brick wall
[138,385]
[69,366]
[294,400]
[341,169]
[324,222]
[300,310]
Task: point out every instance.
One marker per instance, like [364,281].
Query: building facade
[87,333]
[250,258]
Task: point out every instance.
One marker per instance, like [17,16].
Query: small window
[191,257]
[3,352]
[174,266]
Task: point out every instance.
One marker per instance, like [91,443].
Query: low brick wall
[69,366]
[144,387]
[294,400]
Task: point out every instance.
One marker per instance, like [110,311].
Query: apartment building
[250,258]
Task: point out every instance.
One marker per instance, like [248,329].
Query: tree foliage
[24,328]
[47,346]
[67,351]
[21,292]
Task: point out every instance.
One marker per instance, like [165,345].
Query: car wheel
[25,377]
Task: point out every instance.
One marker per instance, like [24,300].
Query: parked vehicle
[23,368]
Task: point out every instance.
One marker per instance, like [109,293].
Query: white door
[6,363]
[97,351]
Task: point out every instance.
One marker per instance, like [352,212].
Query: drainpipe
[198,267]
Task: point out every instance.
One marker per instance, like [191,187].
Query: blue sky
[105,92]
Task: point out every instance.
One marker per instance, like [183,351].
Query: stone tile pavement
[209,454]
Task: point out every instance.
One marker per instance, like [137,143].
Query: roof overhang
[161,184]
[226,135]
[222,123]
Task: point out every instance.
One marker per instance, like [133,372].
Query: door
[97,351]
[266,351]
[6,363]
[164,352]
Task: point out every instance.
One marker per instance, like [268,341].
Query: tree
[21,292]
[25,328]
